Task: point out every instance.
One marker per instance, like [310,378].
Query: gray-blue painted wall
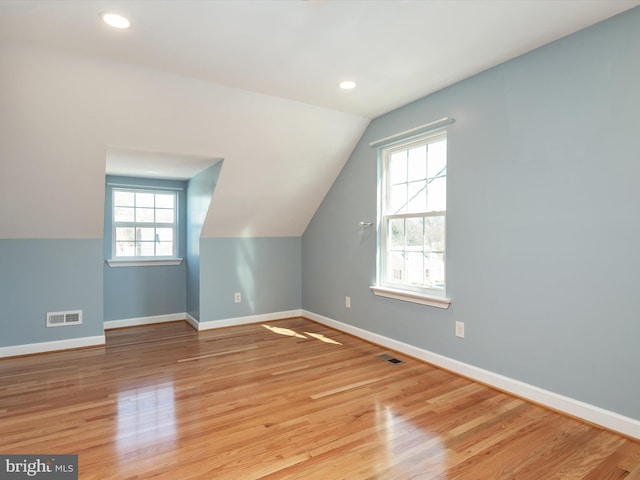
[49,275]
[145,291]
[266,271]
[542,226]
[199,192]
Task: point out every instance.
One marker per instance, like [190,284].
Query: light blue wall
[40,276]
[266,271]
[133,292]
[199,192]
[542,226]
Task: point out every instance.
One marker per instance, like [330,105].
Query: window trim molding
[386,147]
[134,186]
[421,296]
[409,296]
[413,132]
[142,262]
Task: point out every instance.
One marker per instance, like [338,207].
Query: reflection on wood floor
[285,400]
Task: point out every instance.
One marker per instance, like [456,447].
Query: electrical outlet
[237,297]
[347,302]
[460,329]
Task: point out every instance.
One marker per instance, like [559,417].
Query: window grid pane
[124,214]
[414,189]
[415,253]
[123,199]
[417,158]
[145,199]
[144,223]
[164,215]
[417,192]
[398,168]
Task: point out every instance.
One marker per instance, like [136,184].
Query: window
[413,208]
[144,224]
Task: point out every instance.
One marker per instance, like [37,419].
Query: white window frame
[139,260]
[403,291]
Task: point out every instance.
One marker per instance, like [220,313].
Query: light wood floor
[287,399]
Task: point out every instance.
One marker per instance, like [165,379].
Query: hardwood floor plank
[289,399]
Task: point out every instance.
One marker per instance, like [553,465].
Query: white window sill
[408,296]
[151,262]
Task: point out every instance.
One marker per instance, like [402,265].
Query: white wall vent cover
[63,319]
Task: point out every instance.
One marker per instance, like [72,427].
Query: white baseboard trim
[43,347]
[576,408]
[231,322]
[191,320]
[133,322]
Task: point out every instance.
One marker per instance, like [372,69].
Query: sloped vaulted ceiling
[63,113]
[252,82]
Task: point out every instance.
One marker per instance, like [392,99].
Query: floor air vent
[64,319]
[389,358]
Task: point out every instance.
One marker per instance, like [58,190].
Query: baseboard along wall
[52,346]
[134,322]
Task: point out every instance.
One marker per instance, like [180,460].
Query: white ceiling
[272,109]
[397,51]
[121,161]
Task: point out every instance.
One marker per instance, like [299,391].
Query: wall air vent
[64,319]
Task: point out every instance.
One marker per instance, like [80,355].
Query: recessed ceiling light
[115,20]
[347,84]
[152,172]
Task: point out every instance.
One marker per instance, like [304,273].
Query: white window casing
[412,216]
[144,227]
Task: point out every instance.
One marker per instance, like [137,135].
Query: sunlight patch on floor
[322,338]
[292,333]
